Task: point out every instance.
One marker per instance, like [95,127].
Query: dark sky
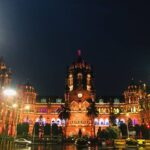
[39,39]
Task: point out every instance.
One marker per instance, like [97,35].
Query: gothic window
[80,76]
[88,87]
[53,120]
[58,122]
[101,121]
[85,105]
[96,122]
[106,122]
[70,79]
[70,82]
[74,106]
[88,79]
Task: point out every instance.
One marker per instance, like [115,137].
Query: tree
[145,109]
[99,131]
[64,113]
[113,115]
[23,129]
[104,134]
[60,132]
[112,118]
[113,132]
[130,124]
[47,129]
[19,129]
[54,129]
[36,129]
[137,129]
[92,112]
[123,128]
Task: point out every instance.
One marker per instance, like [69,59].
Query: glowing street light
[10,92]
[27,107]
[15,105]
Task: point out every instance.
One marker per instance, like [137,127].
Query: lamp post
[127,115]
[9,93]
[16,122]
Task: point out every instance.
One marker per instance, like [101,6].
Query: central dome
[80,75]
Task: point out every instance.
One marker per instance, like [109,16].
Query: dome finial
[79,52]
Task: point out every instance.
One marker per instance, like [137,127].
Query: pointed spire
[79,53]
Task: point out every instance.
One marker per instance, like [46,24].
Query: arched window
[117,121]
[80,76]
[122,120]
[101,122]
[96,122]
[58,121]
[88,79]
[53,120]
[106,122]
[70,82]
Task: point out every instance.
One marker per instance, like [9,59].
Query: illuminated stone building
[80,87]
[7,113]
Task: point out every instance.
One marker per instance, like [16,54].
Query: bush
[81,141]
[109,133]
[131,142]
[113,133]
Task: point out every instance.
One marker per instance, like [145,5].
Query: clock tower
[79,88]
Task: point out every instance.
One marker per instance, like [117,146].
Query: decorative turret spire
[80,75]
[79,53]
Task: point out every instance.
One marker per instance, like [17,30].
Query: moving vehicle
[22,141]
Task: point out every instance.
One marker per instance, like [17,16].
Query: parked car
[22,141]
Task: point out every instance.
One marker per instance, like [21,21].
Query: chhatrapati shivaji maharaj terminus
[79,90]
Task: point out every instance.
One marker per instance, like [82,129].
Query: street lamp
[27,107]
[127,115]
[10,93]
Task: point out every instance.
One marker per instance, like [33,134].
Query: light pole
[127,115]
[9,93]
[16,122]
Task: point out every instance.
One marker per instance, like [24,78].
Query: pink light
[79,52]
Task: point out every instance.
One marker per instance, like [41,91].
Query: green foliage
[22,129]
[60,131]
[81,141]
[19,129]
[104,134]
[54,129]
[47,129]
[109,133]
[36,129]
[131,142]
[92,110]
[123,129]
[112,118]
[113,132]
[64,112]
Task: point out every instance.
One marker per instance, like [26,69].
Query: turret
[80,75]
[79,83]
[5,75]
[135,92]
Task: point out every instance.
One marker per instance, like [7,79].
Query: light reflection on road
[72,147]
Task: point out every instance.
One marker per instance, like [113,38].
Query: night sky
[39,39]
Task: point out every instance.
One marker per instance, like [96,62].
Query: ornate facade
[79,87]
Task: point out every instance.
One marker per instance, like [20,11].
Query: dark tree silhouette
[92,112]
[64,113]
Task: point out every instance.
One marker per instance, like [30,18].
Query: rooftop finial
[79,52]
